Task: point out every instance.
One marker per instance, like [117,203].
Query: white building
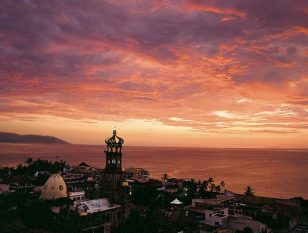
[240,222]
[76,196]
[219,200]
[96,205]
[136,173]
[99,213]
[216,216]
[219,218]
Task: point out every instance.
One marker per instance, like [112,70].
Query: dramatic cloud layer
[206,68]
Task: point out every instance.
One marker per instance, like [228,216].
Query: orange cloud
[160,67]
[217,10]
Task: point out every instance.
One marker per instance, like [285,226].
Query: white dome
[54,188]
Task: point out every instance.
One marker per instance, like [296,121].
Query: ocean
[280,173]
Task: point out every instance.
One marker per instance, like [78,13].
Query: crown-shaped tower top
[114,143]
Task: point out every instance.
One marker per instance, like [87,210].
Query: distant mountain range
[17,138]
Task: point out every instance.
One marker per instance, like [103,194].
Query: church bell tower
[112,178]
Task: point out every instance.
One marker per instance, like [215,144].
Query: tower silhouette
[112,177]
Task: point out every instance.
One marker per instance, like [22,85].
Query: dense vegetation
[24,174]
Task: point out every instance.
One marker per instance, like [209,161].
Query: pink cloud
[160,60]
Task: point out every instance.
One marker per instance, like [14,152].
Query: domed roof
[54,188]
[114,140]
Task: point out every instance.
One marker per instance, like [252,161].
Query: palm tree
[212,187]
[249,191]
[29,160]
[223,186]
[205,184]
[210,183]
[62,164]
[165,178]
[202,192]
[218,189]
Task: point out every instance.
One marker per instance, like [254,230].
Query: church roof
[54,188]
[114,140]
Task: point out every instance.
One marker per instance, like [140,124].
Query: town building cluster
[102,200]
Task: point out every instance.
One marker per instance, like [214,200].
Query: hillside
[17,138]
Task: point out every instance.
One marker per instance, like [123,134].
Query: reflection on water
[275,173]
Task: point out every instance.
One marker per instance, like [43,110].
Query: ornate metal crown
[114,141]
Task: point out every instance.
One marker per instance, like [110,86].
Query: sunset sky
[165,73]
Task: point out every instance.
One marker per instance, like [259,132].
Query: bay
[281,173]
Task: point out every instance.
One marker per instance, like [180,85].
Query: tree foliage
[249,191]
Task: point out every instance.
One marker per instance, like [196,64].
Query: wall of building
[241,222]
